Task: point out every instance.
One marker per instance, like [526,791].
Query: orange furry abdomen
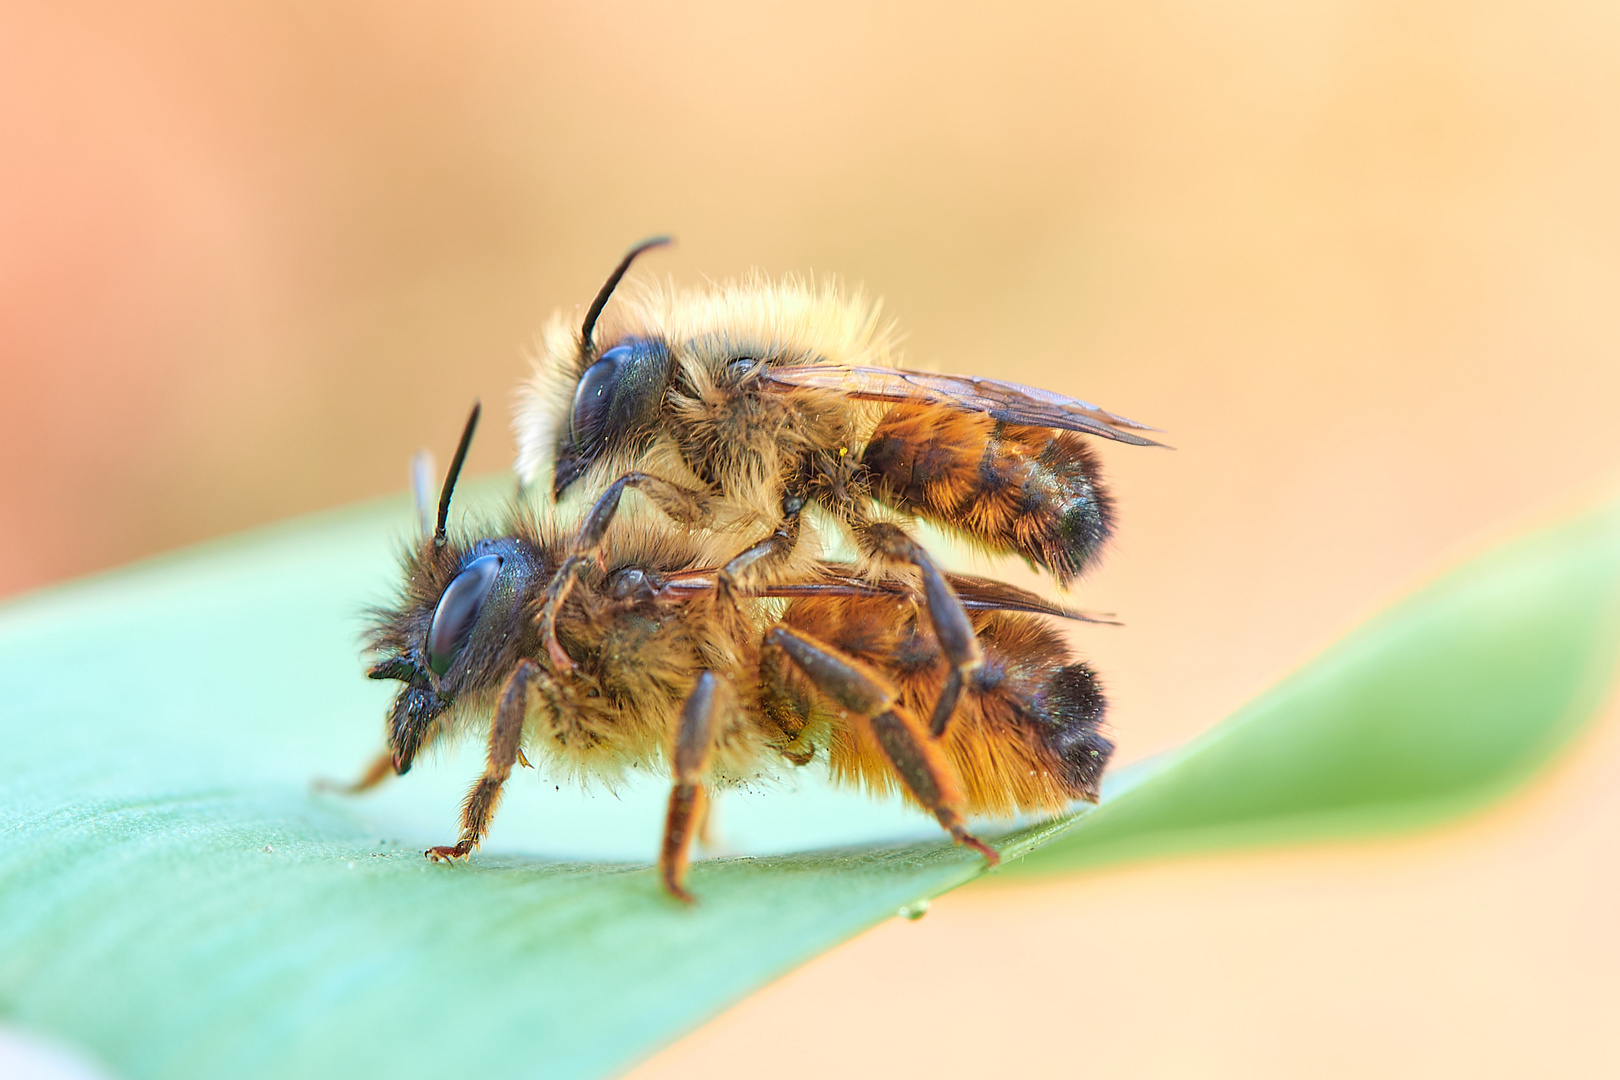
[1031,491]
[1026,735]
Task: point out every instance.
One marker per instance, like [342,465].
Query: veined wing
[976,593]
[987,594]
[1010,402]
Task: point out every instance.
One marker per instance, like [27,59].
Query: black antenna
[612,283]
[455,471]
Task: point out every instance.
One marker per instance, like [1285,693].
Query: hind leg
[915,758]
[889,543]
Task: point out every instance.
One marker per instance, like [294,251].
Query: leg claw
[450,853]
[967,839]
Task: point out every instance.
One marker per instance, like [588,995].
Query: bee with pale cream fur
[737,406]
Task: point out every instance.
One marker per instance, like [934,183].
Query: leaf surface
[1433,708]
[174,898]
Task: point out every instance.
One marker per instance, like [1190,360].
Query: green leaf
[175,899]
[1431,709]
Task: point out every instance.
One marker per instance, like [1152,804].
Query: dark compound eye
[458,609]
[616,402]
[588,422]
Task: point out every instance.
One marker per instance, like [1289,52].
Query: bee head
[462,623]
[619,389]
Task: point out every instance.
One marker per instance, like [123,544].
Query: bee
[661,672]
[741,405]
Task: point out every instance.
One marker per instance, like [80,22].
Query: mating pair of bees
[698,626]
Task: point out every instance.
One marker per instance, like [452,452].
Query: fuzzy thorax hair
[795,320]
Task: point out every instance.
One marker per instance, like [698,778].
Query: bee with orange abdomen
[659,671]
[748,403]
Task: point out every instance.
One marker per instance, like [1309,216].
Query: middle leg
[917,760]
[688,799]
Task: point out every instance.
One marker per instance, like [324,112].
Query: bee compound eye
[593,397]
[457,613]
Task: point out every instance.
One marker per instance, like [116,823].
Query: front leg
[505,746]
[747,571]
[889,543]
[687,507]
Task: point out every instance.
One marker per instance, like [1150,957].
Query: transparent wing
[987,594]
[977,593]
[1010,402]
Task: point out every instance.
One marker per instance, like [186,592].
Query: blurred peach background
[1362,261]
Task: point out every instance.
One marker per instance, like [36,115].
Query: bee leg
[505,739]
[380,769]
[688,800]
[743,571]
[780,707]
[949,617]
[682,504]
[916,759]
[706,834]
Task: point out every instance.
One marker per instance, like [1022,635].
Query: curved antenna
[455,471]
[595,311]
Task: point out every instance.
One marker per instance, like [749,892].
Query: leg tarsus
[743,572]
[959,833]
[561,584]
[687,803]
[688,800]
[450,852]
[505,744]
[561,662]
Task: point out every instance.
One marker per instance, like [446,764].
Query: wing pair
[833,579]
[1009,402]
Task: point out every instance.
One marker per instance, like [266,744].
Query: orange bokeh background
[1362,261]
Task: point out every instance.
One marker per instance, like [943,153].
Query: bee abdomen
[1029,491]
[1031,743]
[1074,708]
